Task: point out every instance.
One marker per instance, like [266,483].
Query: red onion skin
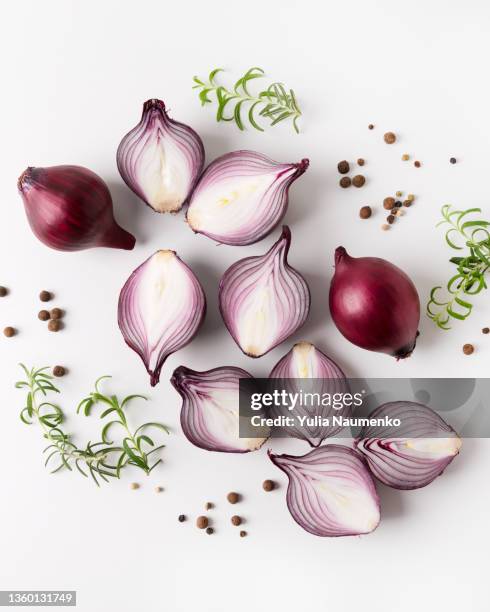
[69,208]
[374,304]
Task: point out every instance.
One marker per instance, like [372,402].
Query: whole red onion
[374,304]
[69,208]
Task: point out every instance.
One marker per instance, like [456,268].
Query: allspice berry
[236,520]
[388,203]
[56,313]
[343,167]
[365,212]
[45,296]
[417,164]
[345,182]
[9,332]
[268,485]
[390,219]
[389,137]
[468,349]
[202,522]
[3,291]
[485,330]
[360,162]
[43,315]
[233,497]
[59,371]
[370,126]
[243,534]
[54,325]
[358,180]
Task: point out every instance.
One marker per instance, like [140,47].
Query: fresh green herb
[473,235]
[95,459]
[274,104]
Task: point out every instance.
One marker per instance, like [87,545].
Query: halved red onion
[331,492]
[241,197]
[210,409]
[160,159]
[161,307]
[263,300]
[303,362]
[412,455]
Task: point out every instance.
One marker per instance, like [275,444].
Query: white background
[74,76]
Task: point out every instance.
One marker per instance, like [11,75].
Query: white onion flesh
[263,300]
[210,409]
[161,307]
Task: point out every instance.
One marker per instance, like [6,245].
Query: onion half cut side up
[410,456]
[330,492]
[161,308]
[241,197]
[304,363]
[374,304]
[160,159]
[69,208]
[263,300]
[210,409]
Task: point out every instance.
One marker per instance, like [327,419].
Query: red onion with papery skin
[331,492]
[241,197]
[263,300]
[302,364]
[374,304]
[160,159]
[210,409]
[413,454]
[161,307]
[69,208]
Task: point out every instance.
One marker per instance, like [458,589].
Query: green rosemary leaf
[278,103]
[105,431]
[471,269]
[146,439]
[129,398]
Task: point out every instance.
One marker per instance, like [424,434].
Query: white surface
[74,76]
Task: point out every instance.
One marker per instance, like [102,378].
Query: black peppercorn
[209,530]
[45,296]
[43,315]
[343,167]
[452,160]
[182,518]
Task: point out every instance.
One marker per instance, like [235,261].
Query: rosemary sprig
[274,104]
[469,280]
[134,443]
[95,459]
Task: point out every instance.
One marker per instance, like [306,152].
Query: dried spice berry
[360,162]
[182,518]
[452,160]
[209,530]
[268,485]
[56,313]
[45,296]
[54,325]
[243,534]
[365,212]
[399,194]
[358,180]
[3,291]
[9,332]
[417,164]
[43,315]
[485,330]
[389,137]
[399,212]
[158,489]
[59,371]
[390,219]
[236,520]
[343,167]
[134,486]
[208,506]
[385,227]
[405,157]
[345,182]
[370,126]
[233,497]
[407,203]
[397,204]
[388,203]
[202,522]
[468,349]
